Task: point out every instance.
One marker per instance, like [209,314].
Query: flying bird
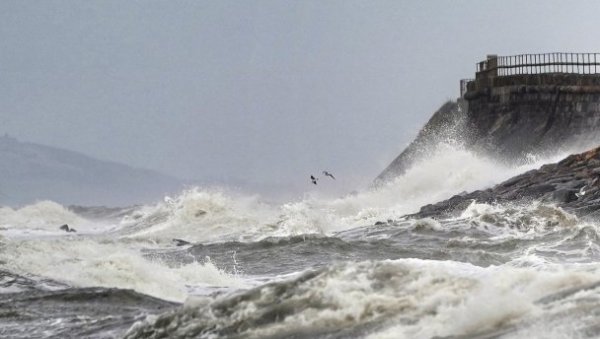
[329,175]
[313,179]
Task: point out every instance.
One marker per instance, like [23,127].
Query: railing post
[560,62]
[520,69]
[544,63]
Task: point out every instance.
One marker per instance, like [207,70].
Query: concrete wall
[516,115]
[511,117]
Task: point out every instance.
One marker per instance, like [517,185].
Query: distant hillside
[30,172]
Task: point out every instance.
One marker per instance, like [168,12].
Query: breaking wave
[407,298]
[209,215]
[316,267]
[44,215]
[89,262]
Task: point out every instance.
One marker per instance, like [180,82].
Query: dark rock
[180,242]
[539,190]
[564,195]
[573,172]
[66,228]
[511,117]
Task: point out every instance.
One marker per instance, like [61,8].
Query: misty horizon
[265,93]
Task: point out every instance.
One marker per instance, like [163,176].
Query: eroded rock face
[511,117]
[573,184]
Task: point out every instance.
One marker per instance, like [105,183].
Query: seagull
[313,179]
[329,175]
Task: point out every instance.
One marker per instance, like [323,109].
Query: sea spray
[208,215]
[318,267]
[44,215]
[399,299]
[95,262]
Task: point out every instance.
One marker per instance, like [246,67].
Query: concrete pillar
[492,65]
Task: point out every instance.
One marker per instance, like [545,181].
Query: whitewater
[349,267]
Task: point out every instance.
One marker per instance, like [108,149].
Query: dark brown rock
[555,183]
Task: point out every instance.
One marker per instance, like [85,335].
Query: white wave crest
[199,215]
[85,263]
[531,217]
[412,298]
[42,218]
[203,215]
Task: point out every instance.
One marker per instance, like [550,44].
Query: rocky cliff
[445,124]
[511,117]
[573,184]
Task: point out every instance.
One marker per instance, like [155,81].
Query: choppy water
[311,268]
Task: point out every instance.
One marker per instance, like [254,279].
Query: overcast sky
[263,91]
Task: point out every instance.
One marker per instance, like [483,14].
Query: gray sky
[263,91]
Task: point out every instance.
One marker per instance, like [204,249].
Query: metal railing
[575,63]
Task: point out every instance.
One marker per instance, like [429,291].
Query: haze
[256,93]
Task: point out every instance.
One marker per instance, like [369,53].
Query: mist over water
[350,266]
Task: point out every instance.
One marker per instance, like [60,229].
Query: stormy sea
[216,263]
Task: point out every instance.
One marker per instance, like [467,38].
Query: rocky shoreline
[572,184]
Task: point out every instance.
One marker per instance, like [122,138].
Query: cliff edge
[445,124]
[516,106]
[573,184]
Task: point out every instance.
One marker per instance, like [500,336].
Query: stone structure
[518,105]
[516,109]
